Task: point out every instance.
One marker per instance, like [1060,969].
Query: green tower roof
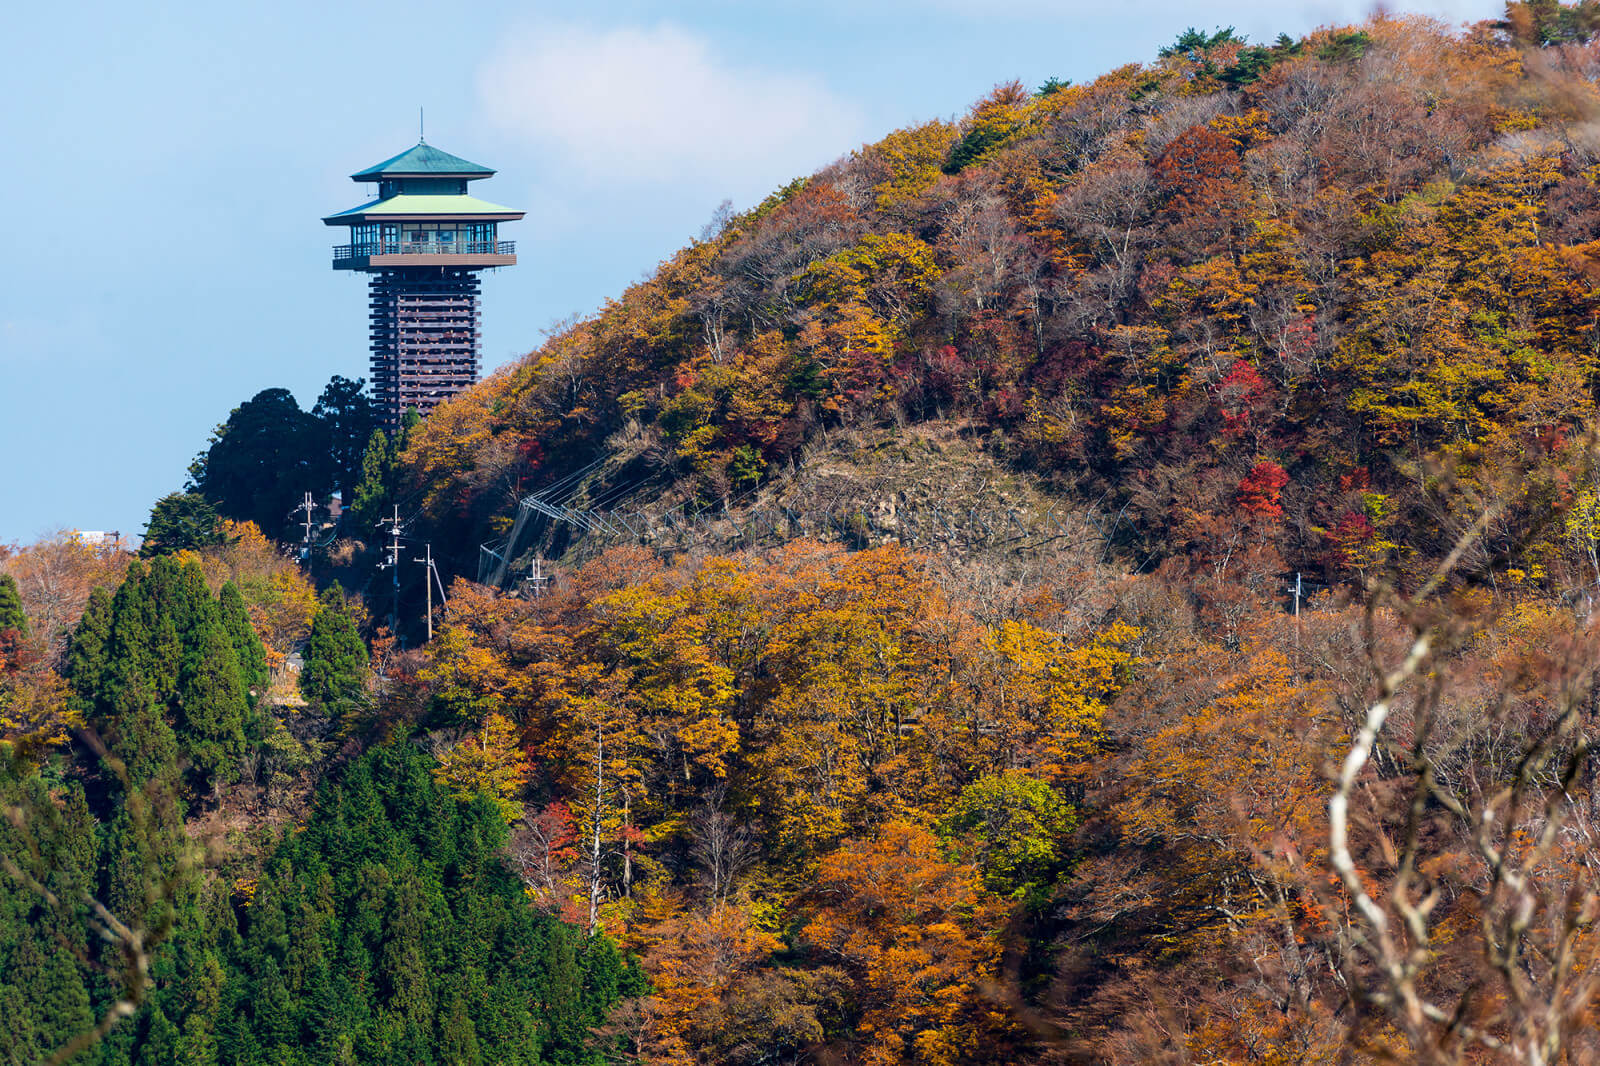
[422,161]
[422,207]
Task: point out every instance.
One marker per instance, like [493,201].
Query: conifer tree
[160,1044]
[181,521]
[18,1042]
[198,1045]
[86,653]
[376,483]
[187,597]
[44,999]
[403,963]
[335,674]
[261,460]
[144,646]
[145,875]
[246,644]
[373,486]
[143,740]
[273,1006]
[52,987]
[212,705]
[458,1037]
[11,614]
[346,419]
[408,425]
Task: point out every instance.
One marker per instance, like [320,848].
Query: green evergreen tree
[212,706]
[52,985]
[334,677]
[11,613]
[261,460]
[144,649]
[246,644]
[183,593]
[372,485]
[145,875]
[408,425]
[85,664]
[44,992]
[388,928]
[273,1007]
[403,962]
[197,1047]
[160,1044]
[346,420]
[19,1043]
[143,740]
[458,1037]
[566,1019]
[181,521]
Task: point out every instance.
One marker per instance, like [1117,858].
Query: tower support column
[424,338]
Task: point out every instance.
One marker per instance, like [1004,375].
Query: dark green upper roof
[424,159]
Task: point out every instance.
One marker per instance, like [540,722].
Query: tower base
[424,338]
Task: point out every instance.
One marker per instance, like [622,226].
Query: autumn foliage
[1165,290]
[1292,765]
[745,744]
[1297,313]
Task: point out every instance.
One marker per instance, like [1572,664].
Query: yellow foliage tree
[37,712]
[913,931]
[694,958]
[1231,792]
[488,763]
[1043,701]
[913,158]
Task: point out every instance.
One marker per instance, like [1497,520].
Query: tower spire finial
[422,128]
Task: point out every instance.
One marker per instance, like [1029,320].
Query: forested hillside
[1106,579]
[1247,293]
[152,877]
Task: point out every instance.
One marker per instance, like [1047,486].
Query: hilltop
[1245,295]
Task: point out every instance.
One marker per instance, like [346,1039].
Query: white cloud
[656,104]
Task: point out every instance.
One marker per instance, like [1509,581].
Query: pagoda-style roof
[417,206]
[422,161]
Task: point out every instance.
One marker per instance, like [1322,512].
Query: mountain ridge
[1151,289]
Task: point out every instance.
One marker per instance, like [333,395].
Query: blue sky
[168,164]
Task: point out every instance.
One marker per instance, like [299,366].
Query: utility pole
[391,562]
[536,577]
[309,506]
[428,579]
[1297,593]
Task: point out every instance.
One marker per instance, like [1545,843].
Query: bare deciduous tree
[1508,842]
[723,848]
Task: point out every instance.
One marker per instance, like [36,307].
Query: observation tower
[423,241]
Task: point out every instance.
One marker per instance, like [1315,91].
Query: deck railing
[359,251]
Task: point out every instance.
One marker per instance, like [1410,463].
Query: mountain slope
[1244,296]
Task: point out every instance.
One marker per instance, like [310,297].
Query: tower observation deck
[423,240]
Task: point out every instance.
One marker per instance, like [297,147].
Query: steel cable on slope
[616,493]
[524,512]
[569,480]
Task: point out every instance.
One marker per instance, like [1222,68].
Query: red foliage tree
[1259,492]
